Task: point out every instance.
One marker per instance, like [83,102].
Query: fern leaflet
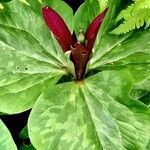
[134,16]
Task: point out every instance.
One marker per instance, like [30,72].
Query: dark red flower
[80,53]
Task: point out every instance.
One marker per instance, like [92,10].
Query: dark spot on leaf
[18,67]
[26,68]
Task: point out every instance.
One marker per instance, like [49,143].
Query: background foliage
[136,15]
[108,110]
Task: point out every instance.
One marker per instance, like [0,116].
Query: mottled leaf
[30,57]
[18,92]
[130,52]
[6,141]
[90,115]
[127,51]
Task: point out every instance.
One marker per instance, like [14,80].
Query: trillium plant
[80,52]
[87,87]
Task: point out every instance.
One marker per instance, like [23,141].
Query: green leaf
[141,91]
[18,92]
[62,123]
[136,15]
[6,141]
[103,4]
[104,42]
[67,15]
[85,15]
[90,115]
[30,58]
[108,22]
[145,85]
[27,41]
[148,146]
[129,51]
[25,138]
[4,1]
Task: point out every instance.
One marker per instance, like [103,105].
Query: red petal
[58,27]
[80,57]
[93,29]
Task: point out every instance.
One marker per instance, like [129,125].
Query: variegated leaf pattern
[18,92]
[129,50]
[90,115]
[30,57]
[6,141]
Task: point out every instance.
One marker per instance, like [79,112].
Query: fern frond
[102,4]
[135,16]
[142,4]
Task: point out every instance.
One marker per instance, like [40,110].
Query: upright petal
[80,57]
[92,30]
[58,27]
